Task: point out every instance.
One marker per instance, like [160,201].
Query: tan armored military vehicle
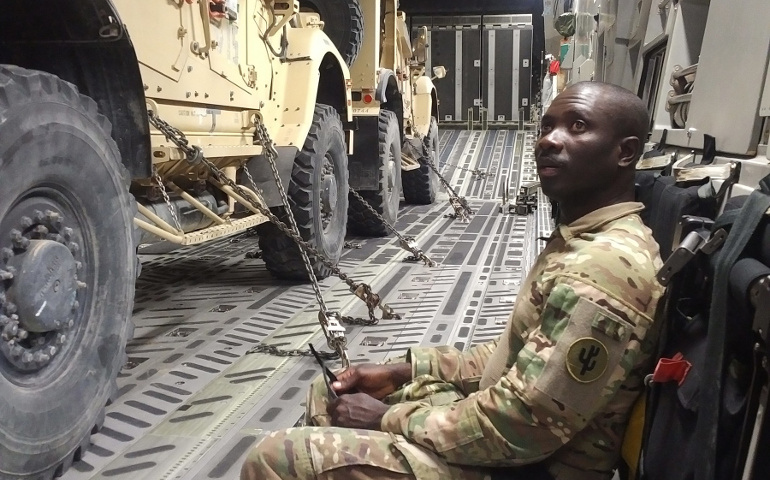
[84,178]
[394,104]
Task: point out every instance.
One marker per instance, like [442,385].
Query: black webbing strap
[709,150]
[652,392]
[659,148]
[707,427]
[727,218]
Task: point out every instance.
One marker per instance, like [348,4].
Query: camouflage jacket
[559,383]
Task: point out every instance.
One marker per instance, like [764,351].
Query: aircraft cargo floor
[193,401]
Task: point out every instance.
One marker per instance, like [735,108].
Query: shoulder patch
[587,359]
[583,359]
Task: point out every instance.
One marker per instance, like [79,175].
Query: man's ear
[630,150]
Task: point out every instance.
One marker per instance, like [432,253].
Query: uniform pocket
[425,464]
[334,448]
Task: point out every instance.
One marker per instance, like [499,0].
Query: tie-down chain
[479,173]
[407,243]
[461,208]
[330,321]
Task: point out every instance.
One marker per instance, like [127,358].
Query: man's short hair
[631,118]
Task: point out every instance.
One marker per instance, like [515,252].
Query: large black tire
[386,198]
[318,196]
[422,184]
[56,155]
[343,24]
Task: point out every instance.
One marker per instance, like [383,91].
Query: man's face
[577,153]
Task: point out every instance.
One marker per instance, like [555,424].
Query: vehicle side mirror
[439,72]
[420,45]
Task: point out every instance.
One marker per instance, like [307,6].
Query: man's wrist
[401,373]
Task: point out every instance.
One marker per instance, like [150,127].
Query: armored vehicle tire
[343,24]
[318,195]
[67,272]
[384,200]
[422,184]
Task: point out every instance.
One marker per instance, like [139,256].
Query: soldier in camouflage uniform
[551,397]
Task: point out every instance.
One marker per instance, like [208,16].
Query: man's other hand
[377,381]
[357,410]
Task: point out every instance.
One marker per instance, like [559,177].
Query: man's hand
[357,410]
[377,381]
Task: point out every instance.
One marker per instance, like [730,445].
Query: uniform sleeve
[569,368]
[462,369]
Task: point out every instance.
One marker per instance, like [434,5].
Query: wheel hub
[328,194]
[391,174]
[45,285]
[38,287]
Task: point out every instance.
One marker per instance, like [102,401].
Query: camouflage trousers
[322,452]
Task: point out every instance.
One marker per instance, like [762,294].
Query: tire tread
[360,219]
[281,255]
[17,85]
[417,183]
[346,31]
